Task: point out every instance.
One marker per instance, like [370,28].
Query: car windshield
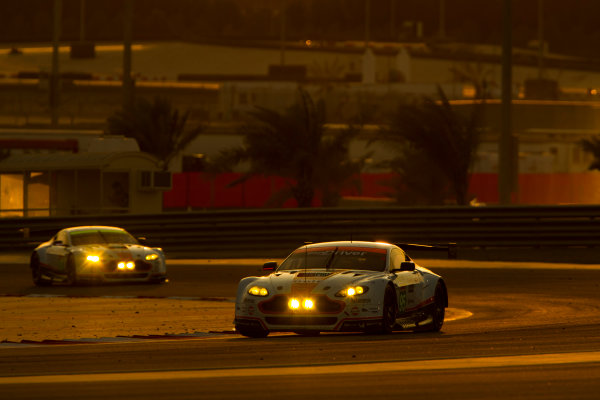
[79,238]
[350,257]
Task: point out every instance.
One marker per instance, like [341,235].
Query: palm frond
[441,135]
[592,145]
[158,128]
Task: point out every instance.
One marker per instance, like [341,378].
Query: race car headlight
[258,291]
[151,257]
[296,304]
[352,291]
[308,304]
[94,259]
[122,265]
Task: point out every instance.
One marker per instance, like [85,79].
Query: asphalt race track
[518,331]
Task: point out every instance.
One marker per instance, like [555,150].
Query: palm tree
[158,128]
[417,180]
[293,144]
[431,132]
[592,145]
[478,75]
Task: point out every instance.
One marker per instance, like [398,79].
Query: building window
[115,191]
[38,194]
[11,195]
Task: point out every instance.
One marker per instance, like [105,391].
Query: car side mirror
[270,266]
[142,240]
[405,266]
[58,243]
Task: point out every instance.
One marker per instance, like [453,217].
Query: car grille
[126,275]
[304,320]
[323,305]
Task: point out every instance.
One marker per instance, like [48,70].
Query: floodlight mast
[507,146]
[54,78]
[127,40]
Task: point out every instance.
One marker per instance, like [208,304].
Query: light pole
[507,147]
[282,33]
[541,39]
[54,74]
[442,32]
[127,39]
[82,21]
[367,22]
[393,37]
[368,67]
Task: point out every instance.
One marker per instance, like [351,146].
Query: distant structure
[64,172]
[220,83]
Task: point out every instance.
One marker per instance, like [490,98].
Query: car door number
[401,295]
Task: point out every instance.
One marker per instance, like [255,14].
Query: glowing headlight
[294,304]
[93,258]
[126,265]
[352,291]
[307,304]
[151,257]
[258,291]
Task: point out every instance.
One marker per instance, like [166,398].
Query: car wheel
[71,270]
[389,311]
[252,332]
[437,310]
[36,272]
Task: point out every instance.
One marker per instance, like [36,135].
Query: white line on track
[396,366]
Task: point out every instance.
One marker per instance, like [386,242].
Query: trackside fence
[275,232]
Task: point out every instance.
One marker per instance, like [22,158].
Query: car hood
[114,251]
[318,280]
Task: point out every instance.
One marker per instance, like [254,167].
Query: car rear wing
[450,248]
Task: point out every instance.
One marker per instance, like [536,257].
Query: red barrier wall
[203,190]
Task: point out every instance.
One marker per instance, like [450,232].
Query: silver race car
[96,253]
[341,286]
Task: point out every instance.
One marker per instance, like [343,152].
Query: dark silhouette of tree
[158,128]
[592,145]
[417,180]
[477,74]
[4,153]
[437,145]
[293,144]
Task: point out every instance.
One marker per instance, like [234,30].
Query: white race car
[341,286]
[96,253]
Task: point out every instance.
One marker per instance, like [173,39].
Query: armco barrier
[274,232]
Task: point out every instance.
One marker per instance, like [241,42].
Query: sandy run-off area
[64,318]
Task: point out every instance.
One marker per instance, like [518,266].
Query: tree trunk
[303,193]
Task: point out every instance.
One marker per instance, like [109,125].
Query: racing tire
[36,272]
[437,310]
[389,312]
[252,332]
[71,271]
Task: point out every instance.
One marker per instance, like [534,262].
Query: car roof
[352,243]
[93,227]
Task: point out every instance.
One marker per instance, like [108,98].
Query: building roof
[76,161]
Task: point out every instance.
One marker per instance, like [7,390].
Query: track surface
[534,334]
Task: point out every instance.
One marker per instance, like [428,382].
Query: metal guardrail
[274,233]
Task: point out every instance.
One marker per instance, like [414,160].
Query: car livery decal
[124,255]
[350,249]
[401,295]
[305,282]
